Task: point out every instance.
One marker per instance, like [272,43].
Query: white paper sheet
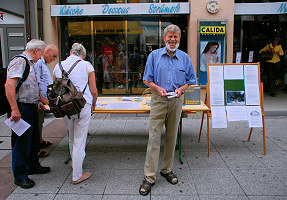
[233,72]
[254,116]
[251,74]
[251,85]
[123,105]
[236,113]
[127,98]
[216,74]
[216,95]
[219,119]
[252,95]
[105,99]
[19,127]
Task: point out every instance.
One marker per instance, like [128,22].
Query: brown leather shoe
[84,177]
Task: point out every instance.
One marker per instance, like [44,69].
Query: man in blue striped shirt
[167,70]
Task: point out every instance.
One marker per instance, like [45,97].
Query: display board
[235,93]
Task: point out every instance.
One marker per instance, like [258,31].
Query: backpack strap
[25,74]
[73,66]
[64,73]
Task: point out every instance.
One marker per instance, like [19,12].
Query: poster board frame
[261,96]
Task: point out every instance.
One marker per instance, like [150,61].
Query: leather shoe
[40,170]
[26,183]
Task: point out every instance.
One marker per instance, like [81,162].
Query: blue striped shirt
[168,72]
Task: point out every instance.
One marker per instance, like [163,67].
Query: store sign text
[283,8]
[68,10]
[212,30]
[115,10]
[164,9]
[120,9]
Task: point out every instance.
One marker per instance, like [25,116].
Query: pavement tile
[185,185]
[281,174]
[95,185]
[46,183]
[259,182]
[77,197]
[267,197]
[3,153]
[99,160]
[216,182]
[129,160]
[242,161]
[200,160]
[124,182]
[133,142]
[223,197]
[104,143]
[5,143]
[190,143]
[125,197]
[174,197]
[273,159]
[30,196]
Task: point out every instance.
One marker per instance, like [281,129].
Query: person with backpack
[25,104]
[83,78]
[44,78]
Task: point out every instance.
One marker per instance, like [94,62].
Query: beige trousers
[166,112]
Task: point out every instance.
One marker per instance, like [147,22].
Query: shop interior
[252,33]
[118,47]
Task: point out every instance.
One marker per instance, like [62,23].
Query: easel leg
[199,135]
[208,136]
[264,139]
[250,134]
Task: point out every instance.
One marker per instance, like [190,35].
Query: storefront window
[118,47]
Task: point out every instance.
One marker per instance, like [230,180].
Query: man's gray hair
[78,50]
[171,28]
[35,44]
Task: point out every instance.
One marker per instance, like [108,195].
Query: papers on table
[105,99]
[18,127]
[127,98]
[122,105]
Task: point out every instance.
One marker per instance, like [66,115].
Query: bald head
[50,53]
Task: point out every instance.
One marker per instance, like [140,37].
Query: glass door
[111,55]
[143,38]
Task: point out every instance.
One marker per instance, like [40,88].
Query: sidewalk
[115,156]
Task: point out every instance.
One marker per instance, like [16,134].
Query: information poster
[211,46]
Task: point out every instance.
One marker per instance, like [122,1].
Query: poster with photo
[211,46]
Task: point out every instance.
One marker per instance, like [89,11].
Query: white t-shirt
[79,75]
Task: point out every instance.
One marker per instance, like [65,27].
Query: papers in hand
[171,95]
[18,127]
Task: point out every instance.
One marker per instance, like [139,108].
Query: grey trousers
[166,112]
